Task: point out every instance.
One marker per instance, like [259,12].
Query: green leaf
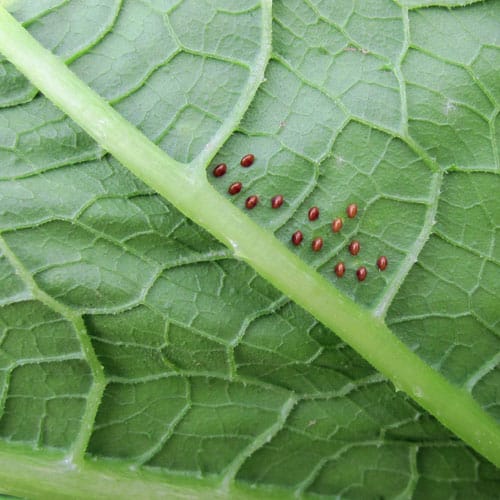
[141,357]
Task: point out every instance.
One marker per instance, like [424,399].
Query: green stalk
[191,193]
[47,475]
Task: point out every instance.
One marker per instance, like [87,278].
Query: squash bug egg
[277,201]
[251,202]
[382,262]
[234,188]
[297,238]
[313,213]
[247,160]
[361,273]
[340,269]
[317,244]
[354,247]
[337,225]
[352,210]
[220,170]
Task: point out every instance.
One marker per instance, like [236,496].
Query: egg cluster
[312,214]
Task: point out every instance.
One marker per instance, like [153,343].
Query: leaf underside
[209,370]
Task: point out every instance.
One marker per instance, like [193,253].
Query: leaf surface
[209,371]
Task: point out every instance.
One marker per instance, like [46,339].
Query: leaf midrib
[191,192]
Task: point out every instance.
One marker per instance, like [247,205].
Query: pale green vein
[41,14]
[413,5]
[4,389]
[100,36]
[98,381]
[196,331]
[191,193]
[20,469]
[468,248]
[429,162]
[494,143]
[316,470]
[340,29]
[399,73]
[143,81]
[420,317]
[96,390]
[243,380]
[381,307]
[259,441]
[46,359]
[169,431]
[481,372]
[409,491]
[473,170]
[451,104]
[255,79]
[347,389]
[238,337]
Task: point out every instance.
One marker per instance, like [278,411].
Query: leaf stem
[193,195]
[48,475]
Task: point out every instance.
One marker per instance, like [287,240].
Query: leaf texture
[209,371]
